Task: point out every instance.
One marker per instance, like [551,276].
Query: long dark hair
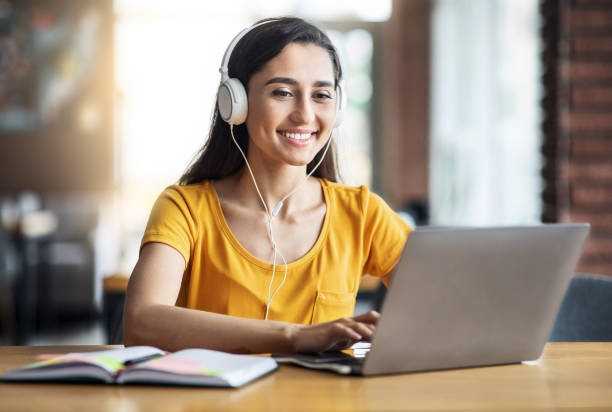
[219,158]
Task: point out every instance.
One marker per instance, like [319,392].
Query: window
[485,164]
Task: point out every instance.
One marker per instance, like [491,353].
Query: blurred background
[461,112]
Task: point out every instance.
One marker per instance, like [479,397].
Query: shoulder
[184,206]
[185,200]
[188,194]
[359,198]
[344,191]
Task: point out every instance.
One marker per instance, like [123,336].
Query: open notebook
[466,297]
[148,365]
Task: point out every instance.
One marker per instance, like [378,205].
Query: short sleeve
[385,235]
[172,222]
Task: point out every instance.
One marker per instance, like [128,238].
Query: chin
[297,163]
[301,161]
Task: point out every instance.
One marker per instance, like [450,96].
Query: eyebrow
[289,80]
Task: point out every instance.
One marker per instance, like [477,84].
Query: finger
[365,330]
[347,330]
[368,317]
[341,337]
[363,324]
[344,344]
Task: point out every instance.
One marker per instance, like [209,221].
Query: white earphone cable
[275,249]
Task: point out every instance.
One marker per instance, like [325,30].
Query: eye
[282,93]
[322,96]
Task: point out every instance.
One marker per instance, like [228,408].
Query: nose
[303,112]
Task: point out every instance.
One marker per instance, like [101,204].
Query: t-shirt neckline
[224,227]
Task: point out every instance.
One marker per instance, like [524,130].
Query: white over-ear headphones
[232,96]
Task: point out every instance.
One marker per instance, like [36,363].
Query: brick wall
[577,126]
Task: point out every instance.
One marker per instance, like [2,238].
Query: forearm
[172,328]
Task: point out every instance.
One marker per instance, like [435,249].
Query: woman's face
[291,106]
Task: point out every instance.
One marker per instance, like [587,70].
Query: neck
[274,185]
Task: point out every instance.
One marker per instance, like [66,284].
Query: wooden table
[569,376]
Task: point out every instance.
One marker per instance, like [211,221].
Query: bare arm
[150,317]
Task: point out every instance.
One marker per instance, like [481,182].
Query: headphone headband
[230,48]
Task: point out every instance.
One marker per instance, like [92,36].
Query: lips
[297,135]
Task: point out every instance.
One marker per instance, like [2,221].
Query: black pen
[142,359]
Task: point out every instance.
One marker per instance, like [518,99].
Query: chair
[115,287]
[8,272]
[586,311]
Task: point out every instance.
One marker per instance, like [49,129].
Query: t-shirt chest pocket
[332,305]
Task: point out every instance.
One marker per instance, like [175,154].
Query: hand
[336,335]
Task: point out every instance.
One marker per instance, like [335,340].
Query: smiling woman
[262,198]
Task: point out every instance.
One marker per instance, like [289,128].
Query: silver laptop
[465,297]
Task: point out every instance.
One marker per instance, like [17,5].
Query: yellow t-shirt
[360,235]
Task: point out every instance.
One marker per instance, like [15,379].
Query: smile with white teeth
[296,136]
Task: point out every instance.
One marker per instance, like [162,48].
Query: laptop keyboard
[361,349]
[359,352]
[349,361]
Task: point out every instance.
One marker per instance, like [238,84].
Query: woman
[258,249]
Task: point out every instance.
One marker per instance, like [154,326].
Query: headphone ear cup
[340,105]
[232,101]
